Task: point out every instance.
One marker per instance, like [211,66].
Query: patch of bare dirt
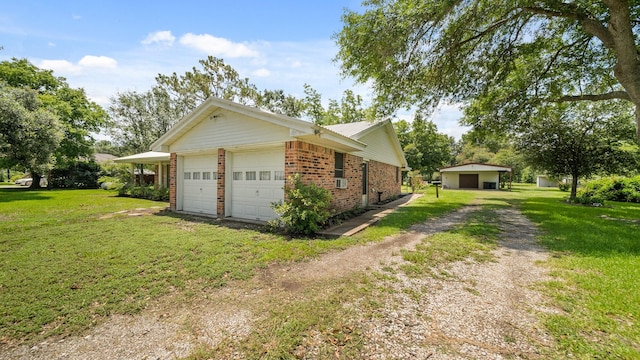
[481,311]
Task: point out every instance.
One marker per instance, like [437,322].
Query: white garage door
[199,184]
[257,180]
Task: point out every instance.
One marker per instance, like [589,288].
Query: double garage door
[256,180]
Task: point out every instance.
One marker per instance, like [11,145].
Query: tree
[78,116]
[29,133]
[511,56]
[278,102]
[139,119]
[578,140]
[214,79]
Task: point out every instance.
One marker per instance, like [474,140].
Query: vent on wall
[340,183]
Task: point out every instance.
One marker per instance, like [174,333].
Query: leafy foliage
[508,57]
[148,192]
[76,175]
[305,209]
[577,140]
[29,133]
[612,188]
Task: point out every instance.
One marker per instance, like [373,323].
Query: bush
[145,192]
[613,189]
[564,186]
[77,175]
[305,210]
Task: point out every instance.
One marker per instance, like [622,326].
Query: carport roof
[149,157]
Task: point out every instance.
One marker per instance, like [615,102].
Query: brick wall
[383,177]
[173,180]
[221,178]
[317,164]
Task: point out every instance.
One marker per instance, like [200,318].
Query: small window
[187,176]
[250,175]
[397,174]
[206,175]
[278,175]
[237,175]
[265,175]
[196,175]
[339,165]
[214,176]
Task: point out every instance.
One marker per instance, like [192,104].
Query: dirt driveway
[480,311]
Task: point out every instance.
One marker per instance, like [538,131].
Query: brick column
[173,180]
[221,177]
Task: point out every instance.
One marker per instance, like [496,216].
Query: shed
[473,176]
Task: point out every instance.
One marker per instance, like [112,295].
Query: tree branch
[570,11]
[622,95]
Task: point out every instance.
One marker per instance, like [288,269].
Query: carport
[159,159]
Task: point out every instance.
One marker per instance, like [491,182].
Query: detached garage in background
[473,176]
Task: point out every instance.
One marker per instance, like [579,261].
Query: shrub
[77,175]
[613,189]
[149,192]
[305,210]
[564,186]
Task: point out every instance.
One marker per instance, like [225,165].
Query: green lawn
[69,259]
[596,269]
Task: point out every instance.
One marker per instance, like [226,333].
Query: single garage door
[468,181]
[257,180]
[199,184]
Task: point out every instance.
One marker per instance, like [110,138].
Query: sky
[106,47]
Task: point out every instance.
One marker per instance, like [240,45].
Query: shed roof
[476,167]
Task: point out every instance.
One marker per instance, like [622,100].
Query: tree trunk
[35,181]
[574,186]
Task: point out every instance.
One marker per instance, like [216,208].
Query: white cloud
[51,44]
[261,73]
[91,61]
[217,46]
[65,67]
[296,64]
[165,38]
[60,66]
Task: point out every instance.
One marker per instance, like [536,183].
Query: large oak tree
[511,56]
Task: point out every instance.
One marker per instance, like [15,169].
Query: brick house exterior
[227,159]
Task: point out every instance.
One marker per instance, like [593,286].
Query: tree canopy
[507,56]
[64,118]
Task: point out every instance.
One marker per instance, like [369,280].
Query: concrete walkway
[369,218]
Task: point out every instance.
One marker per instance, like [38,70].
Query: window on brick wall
[339,165]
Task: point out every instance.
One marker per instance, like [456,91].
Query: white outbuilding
[473,176]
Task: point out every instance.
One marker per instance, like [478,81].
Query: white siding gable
[228,129]
[380,147]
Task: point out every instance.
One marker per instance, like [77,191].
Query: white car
[29,181]
[24,182]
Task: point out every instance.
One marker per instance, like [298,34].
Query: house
[473,176]
[232,160]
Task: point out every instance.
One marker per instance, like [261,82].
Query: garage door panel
[253,192]
[199,184]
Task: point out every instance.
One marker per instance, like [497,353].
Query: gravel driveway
[482,311]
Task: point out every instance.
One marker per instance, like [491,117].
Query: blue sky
[110,46]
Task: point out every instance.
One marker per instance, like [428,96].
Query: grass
[69,260]
[426,207]
[473,240]
[65,266]
[596,269]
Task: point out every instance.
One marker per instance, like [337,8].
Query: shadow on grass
[21,194]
